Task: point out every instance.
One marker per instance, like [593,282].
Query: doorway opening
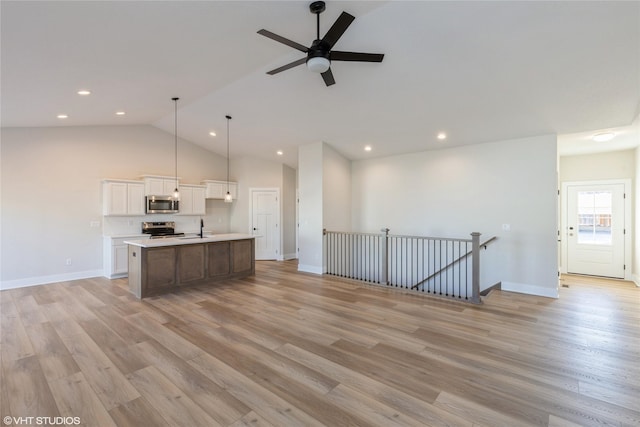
[595,229]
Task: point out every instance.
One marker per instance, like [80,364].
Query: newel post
[475,267]
[384,256]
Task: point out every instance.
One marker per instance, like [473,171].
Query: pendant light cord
[228,119]
[175,101]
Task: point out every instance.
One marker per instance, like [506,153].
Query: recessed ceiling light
[442,136]
[367,148]
[279,152]
[212,133]
[120,113]
[63,116]
[604,136]
[84,92]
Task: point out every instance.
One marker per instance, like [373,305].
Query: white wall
[636,210]
[336,189]
[310,192]
[289,227]
[453,192]
[324,183]
[600,166]
[51,191]
[252,172]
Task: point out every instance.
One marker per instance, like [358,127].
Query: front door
[595,229]
[265,218]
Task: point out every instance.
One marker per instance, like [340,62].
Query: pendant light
[176,193]
[227,197]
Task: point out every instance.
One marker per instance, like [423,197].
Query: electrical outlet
[94,224]
[68,261]
[506,227]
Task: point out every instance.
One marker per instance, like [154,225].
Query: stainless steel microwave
[161,204]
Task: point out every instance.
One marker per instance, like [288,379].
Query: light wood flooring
[290,349]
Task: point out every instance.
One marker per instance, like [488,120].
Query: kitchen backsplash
[216,220]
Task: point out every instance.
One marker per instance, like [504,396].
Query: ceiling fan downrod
[317,7]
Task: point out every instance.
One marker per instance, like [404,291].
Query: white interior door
[265,218]
[595,232]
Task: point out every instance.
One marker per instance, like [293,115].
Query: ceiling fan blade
[327,76]
[336,55]
[282,40]
[289,65]
[338,28]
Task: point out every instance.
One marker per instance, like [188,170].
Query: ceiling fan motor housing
[319,49]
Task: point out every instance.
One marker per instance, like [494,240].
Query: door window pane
[594,217]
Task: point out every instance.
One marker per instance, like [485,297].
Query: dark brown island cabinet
[159,266]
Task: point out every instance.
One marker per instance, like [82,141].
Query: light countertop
[188,240]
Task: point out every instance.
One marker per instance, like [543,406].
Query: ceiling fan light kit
[318,64]
[320,55]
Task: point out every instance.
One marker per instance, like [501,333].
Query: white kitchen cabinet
[192,200]
[116,255]
[122,197]
[159,185]
[199,200]
[135,199]
[218,189]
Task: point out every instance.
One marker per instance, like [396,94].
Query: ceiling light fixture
[212,133]
[279,152]
[318,64]
[84,92]
[62,116]
[120,113]
[442,136]
[227,197]
[367,148]
[176,193]
[603,136]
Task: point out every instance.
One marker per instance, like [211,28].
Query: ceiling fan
[320,55]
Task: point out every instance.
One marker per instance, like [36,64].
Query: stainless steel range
[160,229]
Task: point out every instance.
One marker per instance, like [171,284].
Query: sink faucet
[201,227]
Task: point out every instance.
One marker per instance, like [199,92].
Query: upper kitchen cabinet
[122,197]
[159,185]
[218,189]
[192,200]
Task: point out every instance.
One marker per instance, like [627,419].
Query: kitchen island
[158,266]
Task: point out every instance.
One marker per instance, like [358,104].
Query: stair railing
[444,267]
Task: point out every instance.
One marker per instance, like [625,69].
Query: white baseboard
[310,269]
[636,279]
[524,288]
[55,278]
[115,276]
[289,256]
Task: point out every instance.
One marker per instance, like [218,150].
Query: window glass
[594,217]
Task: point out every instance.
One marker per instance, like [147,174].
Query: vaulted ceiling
[478,71]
